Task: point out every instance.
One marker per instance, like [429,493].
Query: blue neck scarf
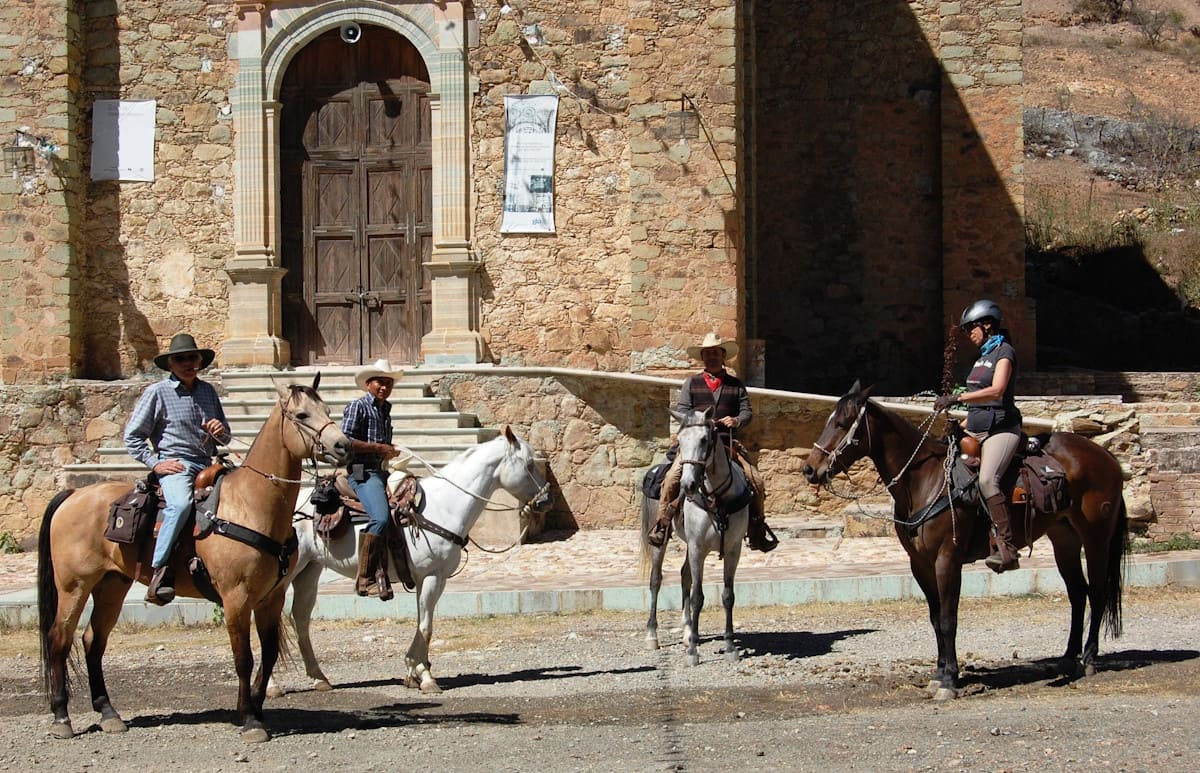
[990,345]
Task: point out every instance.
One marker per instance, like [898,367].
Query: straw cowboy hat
[711,340]
[183,343]
[380,369]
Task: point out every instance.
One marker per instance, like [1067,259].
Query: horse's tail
[47,590]
[1118,554]
[649,513]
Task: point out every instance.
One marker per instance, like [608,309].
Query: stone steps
[425,424]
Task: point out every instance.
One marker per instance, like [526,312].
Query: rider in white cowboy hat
[368,423]
[174,430]
[716,388]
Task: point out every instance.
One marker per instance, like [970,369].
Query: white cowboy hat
[380,369]
[711,340]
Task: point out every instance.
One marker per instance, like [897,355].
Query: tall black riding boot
[758,534]
[1005,556]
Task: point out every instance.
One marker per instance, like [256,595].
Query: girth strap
[283,552]
[427,525]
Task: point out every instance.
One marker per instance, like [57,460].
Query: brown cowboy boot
[668,508]
[382,581]
[368,562]
[758,534]
[161,590]
[1005,556]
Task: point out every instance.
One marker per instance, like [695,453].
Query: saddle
[1034,480]
[336,509]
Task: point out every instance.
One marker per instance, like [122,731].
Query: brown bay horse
[911,466]
[247,556]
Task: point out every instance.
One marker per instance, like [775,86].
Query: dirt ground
[816,687]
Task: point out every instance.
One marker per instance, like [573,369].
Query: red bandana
[714,382]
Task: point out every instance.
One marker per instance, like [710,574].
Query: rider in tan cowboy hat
[716,388]
[368,423]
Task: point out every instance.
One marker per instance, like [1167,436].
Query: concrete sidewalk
[598,570]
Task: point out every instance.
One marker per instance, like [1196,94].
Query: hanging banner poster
[123,140]
[529,123]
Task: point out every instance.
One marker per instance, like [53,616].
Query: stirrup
[766,541]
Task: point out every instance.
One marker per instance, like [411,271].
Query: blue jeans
[372,492]
[177,493]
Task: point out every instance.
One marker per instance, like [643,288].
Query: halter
[710,428]
[314,436]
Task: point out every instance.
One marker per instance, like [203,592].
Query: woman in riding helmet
[992,417]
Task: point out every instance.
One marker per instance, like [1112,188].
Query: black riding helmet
[978,312]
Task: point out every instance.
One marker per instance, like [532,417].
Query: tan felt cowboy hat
[380,369]
[711,340]
[183,343]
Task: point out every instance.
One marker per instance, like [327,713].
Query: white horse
[454,500]
[714,517]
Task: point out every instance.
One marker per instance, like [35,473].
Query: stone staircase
[425,424]
[1171,429]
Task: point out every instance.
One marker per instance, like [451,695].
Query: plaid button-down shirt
[168,422]
[368,420]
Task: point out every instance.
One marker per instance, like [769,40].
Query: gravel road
[819,687]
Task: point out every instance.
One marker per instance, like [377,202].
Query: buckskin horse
[911,466]
[453,500]
[714,517]
[248,555]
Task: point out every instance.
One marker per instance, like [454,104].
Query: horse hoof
[255,735]
[431,687]
[733,655]
[945,694]
[1089,669]
[275,692]
[322,685]
[651,644]
[693,660]
[114,725]
[933,686]
[62,729]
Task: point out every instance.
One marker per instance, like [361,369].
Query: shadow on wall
[860,150]
[1110,310]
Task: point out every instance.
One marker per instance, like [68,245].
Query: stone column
[454,337]
[255,277]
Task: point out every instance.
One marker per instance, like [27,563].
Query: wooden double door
[356,197]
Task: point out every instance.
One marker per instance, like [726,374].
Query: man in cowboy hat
[174,430]
[716,388]
[368,423]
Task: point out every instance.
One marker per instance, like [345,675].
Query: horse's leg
[656,562]
[949,586]
[1098,549]
[420,672]
[237,624]
[695,562]
[732,555]
[304,598]
[57,639]
[268,617]
[1066,544]
[685,590]
[926,578]
[107,597]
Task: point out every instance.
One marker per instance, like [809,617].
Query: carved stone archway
[266,40]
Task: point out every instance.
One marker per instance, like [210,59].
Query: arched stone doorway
[270,37]
[356,200]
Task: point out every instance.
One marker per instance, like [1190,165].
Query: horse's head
[313,431]
[519,475]
[840,444]
[697,440]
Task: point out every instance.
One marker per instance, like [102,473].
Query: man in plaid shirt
[174,431]
[368,423]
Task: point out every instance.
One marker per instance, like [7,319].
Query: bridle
[710,429]
[313,436]
[849,439]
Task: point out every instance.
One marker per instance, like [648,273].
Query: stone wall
[644,259]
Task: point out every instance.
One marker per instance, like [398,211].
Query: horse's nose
[809,472]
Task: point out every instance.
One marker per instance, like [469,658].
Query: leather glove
[943,402]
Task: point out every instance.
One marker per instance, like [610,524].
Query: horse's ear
[284,390]
[680,416]
[316,381]
[854,388]
[510,435]
[866,391]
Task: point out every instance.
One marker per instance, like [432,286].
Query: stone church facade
[830,183]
